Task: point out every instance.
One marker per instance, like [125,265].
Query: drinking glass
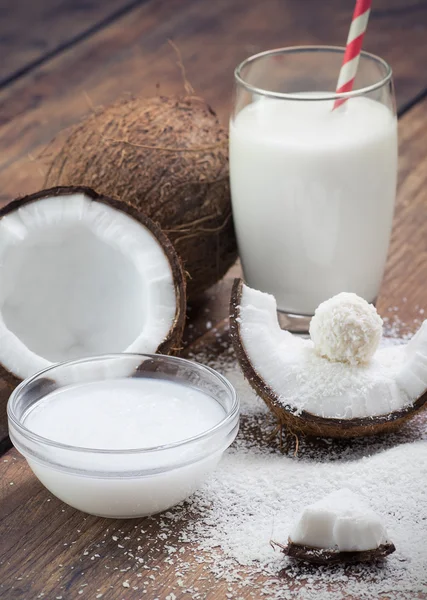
[313,187]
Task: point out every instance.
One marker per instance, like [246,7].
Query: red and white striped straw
[353,48]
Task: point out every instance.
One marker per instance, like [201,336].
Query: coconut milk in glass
[313,188]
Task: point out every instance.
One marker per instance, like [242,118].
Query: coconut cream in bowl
[124,435]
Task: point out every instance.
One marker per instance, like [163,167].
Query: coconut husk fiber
[331,556]
[169,158]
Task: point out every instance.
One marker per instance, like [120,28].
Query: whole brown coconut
[168,157]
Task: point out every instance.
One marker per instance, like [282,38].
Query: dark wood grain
[47,549]
[31,32]
[4,396]
[132,55]
[61,91]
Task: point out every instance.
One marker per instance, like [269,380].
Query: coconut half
[83,275]
[312,395]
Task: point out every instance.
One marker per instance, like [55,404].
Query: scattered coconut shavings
[223,532]
[315,383]
[257,493]
[256,497]
[399,331]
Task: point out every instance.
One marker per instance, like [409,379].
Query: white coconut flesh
[79,278]
[302,380]
[341,520]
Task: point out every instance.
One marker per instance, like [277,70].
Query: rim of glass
[301,49]
[229,417]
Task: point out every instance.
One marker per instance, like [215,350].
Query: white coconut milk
[119,415]
[313,194]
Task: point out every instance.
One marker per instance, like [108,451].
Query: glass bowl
[123,483]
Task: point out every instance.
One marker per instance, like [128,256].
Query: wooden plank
[4,396]
[133,56]
[41,103]
[31,34]
[43,549]
[47,547]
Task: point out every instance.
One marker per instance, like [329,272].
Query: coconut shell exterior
[306,423]
[330,556]
[169,158]
[172,342]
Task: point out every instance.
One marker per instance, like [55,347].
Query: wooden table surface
[59,59]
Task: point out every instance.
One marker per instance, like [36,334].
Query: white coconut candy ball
[346,328]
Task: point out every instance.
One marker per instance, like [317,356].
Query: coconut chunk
[83,275]
[340,527]
[313,394]
[342,520]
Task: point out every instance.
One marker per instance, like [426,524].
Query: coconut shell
[169,158]
[306,423]
[330,556]
[172,342]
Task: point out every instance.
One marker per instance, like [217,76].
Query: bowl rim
[230,416]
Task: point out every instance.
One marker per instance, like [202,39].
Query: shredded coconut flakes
[257,493]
